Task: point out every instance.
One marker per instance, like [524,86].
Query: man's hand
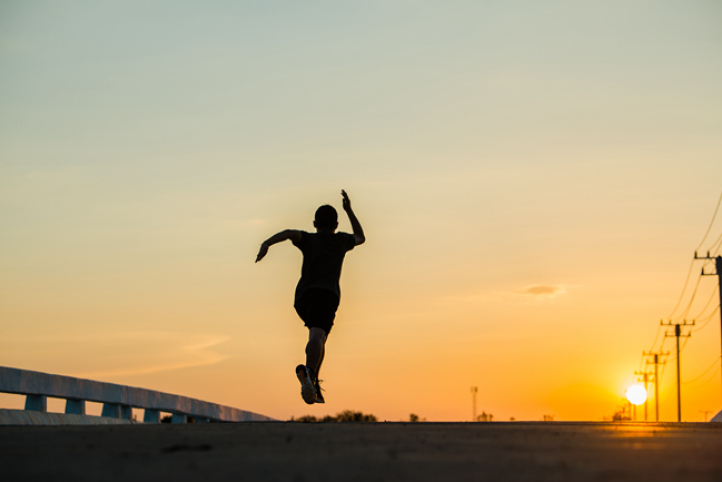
[346,201]
[358,231]
[291,234]
[262,252]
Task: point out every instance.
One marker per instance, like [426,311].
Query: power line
[714,292]
[656,337]
[686,282]
[706,320]
[711,223]
[714,363]
[715,248]
[684,288]
[691,300]
[711,377]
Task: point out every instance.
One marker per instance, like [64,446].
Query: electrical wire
[691,300]
[706,320]
[715,363]
[686,282]
[684,289]
[711,223]
[656,337]
[711,377]
[715,248]
[714,292]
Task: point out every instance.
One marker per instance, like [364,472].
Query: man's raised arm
[358,231]
[291,234]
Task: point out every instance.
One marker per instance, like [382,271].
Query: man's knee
[316,335]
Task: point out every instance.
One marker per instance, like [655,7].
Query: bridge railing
[118,400]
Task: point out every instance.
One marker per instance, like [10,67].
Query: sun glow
[636,394]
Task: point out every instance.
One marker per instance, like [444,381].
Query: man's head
[326,218]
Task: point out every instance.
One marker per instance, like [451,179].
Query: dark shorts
[317,308]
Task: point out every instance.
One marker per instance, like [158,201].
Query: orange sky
[532,180]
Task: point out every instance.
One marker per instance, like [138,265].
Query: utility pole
[656,361]
[474,391]
[718,267]
[646,377]
[678,334]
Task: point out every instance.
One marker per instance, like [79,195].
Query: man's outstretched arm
[291,234]
[358,231]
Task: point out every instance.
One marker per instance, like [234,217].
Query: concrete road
[297,452]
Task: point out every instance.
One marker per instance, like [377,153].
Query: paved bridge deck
[295,452]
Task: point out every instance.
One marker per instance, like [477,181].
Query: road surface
[305,452]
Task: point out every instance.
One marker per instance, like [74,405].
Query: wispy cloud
[536,292]
[115,354]
[543,291]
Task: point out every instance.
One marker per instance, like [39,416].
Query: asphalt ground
[305,452]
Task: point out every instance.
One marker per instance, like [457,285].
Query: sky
[532,177]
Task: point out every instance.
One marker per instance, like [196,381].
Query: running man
[318,292]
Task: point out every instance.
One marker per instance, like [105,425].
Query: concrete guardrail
[118,400]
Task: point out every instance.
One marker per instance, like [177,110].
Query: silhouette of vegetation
[345,416]
[415,418]
[166,419]
[305,419]
[485,417]
[350,416]
[548,418]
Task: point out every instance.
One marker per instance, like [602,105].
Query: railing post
[179,418]
[75,406]
[151,416]
[126,412]
[36,403]
[111,410]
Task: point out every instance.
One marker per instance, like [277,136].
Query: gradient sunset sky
[533,179]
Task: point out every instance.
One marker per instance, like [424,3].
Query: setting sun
[636,394]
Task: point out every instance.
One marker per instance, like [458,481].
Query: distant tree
[166,419]
[548,418]
[345,416]
[351,416]
[485,417]
[512,419]
[413,417]
[304,419]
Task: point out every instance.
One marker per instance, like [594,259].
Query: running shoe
[308,391]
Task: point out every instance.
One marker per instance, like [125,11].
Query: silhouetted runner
[318,292]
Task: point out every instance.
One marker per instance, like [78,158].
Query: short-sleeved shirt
[323,255]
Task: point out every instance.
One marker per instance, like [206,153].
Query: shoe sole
[308,391]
